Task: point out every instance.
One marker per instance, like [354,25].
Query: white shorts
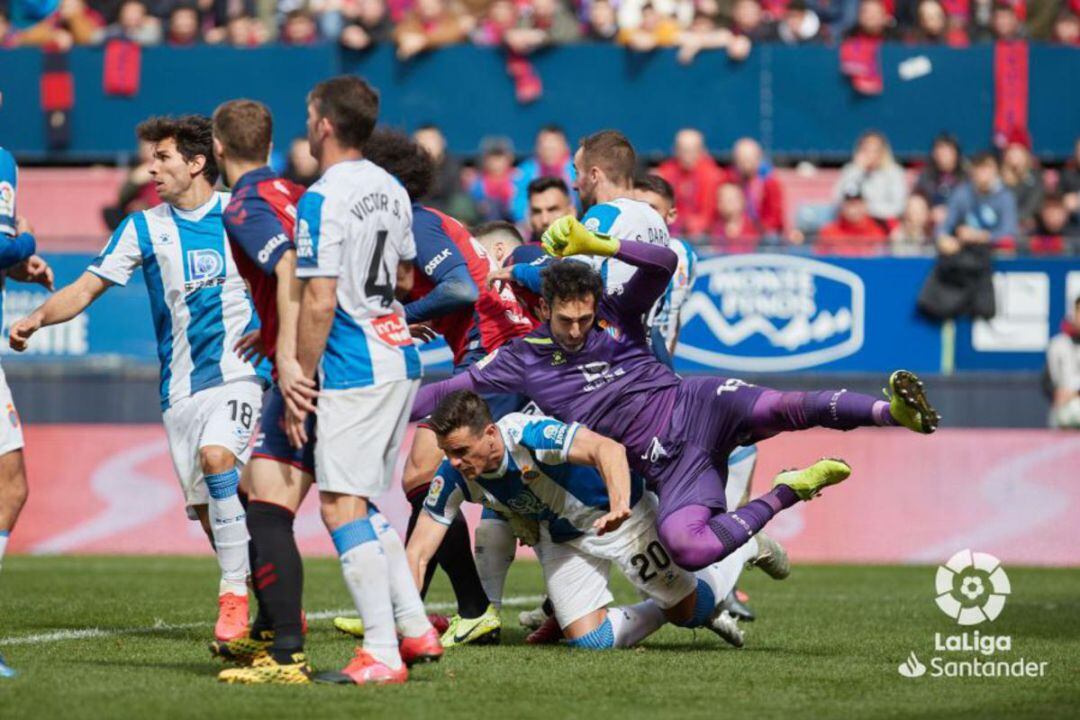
[739,473]
[359,434]
[225,415]
[576,572]
[11,437]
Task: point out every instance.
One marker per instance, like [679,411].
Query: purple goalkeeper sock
[697,536]
[776,412]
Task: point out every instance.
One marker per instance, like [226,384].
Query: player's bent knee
[216,459]
[684,549]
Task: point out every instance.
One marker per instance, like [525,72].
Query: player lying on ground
[590,362]
[449,297]
[210,396]
[260,220]
[576,485]
[18,262]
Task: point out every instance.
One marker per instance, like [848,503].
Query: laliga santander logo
[972,587]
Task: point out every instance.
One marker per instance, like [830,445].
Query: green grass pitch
[126,638]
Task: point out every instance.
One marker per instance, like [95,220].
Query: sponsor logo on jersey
[206,268]
[556,432]
[7,200]
[271,245]
[436,261]
[526,503]
[304,248]
[598,374]
[392,330]
[557,358]
[434,491]
[772,313]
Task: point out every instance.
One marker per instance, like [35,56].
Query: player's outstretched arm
[61,307]
[429,396]
[655,265]
[424,542]
[18,249]
[298,391]
[609,458]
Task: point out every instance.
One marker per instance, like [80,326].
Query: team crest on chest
[610,329]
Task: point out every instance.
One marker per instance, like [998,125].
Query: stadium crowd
[878,206]
[525,26]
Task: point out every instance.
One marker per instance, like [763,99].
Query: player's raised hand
[611,521]
[21,332]
[503,274]
[250,347]
[423,333]
[567,237]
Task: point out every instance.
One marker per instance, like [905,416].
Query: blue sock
[704,606]
[223,484]
[602,638]
[352,534]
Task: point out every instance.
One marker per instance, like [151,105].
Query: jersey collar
[253,177]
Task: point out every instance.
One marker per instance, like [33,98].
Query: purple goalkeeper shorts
[688,464]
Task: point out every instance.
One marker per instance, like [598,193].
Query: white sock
[495,549]
[367,575]
[722,576]
[739,476]
[632,624]
[4,534]
[228,525]
[408,606]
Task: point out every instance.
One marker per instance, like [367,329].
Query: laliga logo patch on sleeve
[592,224]
[434,491]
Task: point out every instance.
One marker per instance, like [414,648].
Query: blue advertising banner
[746,314]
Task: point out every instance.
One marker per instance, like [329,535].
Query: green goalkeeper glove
[567,237]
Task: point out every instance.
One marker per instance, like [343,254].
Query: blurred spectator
[655,30]
[367,23]
[734,229]
[542,23]
[1054,233]
[494,188]
[1005,23]
[981,215]
[1021,174]
[876,176]
[854,231]
[748,24]
[552,158]
[446,192]
[760,185]
[7,32]
[695,177]
[135,23]
[299,28]
[1070,182]
[1063,372]
[430,24]
[137,192]
[982,211]
[798,24]
[300,167]
[874,21]
[632,13]
[934,25]
[241,31]
[548,200]
[912,234]
[500,18]
[183,29]
[74,24]
[943,175]
[601,24]
[704,33]
[1067,28]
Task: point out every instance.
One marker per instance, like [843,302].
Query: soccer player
[449,298]
[590,362]
[355,249]
[210,396]
[260,221]
[577,486]
[18,262]
[549,199]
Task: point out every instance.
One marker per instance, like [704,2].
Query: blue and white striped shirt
[199,302]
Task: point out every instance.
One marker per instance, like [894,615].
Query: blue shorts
[273,444]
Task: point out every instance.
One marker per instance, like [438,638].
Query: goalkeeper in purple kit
[590,362]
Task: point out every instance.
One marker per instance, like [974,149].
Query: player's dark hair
[610,151]
[351,106]
[655,184]
[193,134]
[569,280]
[462,408]
[543,184]
[245,128]
[404,158]
[496,227]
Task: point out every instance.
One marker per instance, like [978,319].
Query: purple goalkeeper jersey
[613,385]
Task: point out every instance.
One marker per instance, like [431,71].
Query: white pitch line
[162,626]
